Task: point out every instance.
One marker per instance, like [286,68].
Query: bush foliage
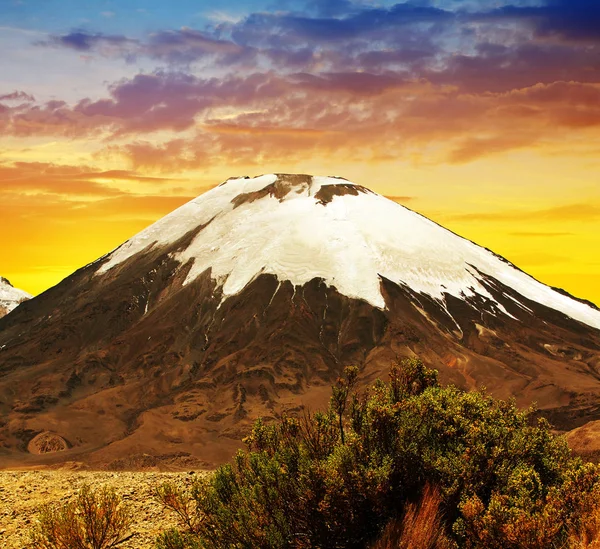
[336,478]
[95,519]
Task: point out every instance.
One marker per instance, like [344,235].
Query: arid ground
[22,493]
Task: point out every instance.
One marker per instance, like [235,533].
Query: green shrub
[336,478]
[93,520]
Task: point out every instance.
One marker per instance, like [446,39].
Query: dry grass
[422,526]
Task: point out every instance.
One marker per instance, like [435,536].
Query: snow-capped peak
[10,297]
[300,227]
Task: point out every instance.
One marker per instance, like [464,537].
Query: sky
[483,115]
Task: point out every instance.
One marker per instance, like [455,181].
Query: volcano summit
[250,300]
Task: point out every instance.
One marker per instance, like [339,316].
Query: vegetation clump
[95,519]
[405,460]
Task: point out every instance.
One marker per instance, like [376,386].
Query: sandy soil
[22,492]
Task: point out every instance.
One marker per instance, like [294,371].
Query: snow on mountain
[301,227]
[10,297]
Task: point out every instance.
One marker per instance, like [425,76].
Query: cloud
[83,41]
[356,83]
[186,45]
[338,77]
[44,202]
[472,148]
[149,102]
[66,180]
[175,155]
[125,175]
[172,46]
[478,51]
[570,20]
[145,103]
[18,95]
[540,234]
[335,35]
[350,112]
[408,56]
[52,208]
[222,17]
[270,28]
[331,8]
[568,212]
[505,68]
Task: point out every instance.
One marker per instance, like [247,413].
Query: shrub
[507,482]
[93,520]
[337,478]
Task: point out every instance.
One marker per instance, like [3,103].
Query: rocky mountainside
[250,300]
[10,297]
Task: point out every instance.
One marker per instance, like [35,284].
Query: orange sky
[490,125]
[549,226]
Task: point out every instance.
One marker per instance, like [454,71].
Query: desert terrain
[23,492]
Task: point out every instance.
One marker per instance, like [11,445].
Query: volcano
[249,301]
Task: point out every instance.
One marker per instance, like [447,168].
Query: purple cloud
[17,95]
[83,41]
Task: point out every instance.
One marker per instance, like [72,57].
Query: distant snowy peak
[301,227]
[10,297]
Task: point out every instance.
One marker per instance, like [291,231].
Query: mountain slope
[252,298]
[10,297]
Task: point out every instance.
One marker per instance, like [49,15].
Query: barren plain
[23,492]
